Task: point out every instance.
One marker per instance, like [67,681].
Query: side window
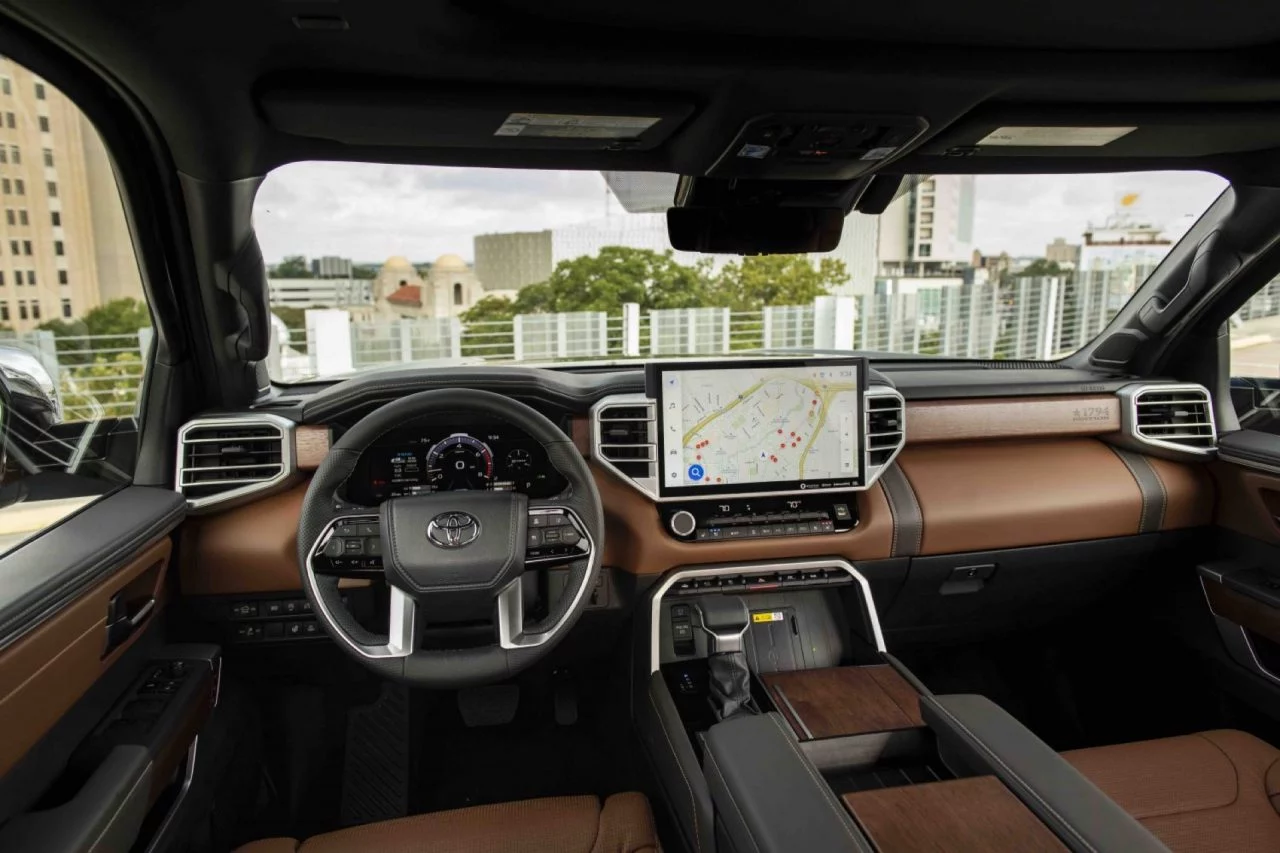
[1255,360]
[75,329]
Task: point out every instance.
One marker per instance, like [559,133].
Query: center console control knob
[682,523]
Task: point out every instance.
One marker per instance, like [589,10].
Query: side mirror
[30,395]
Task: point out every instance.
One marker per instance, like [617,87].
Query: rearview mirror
[755,230]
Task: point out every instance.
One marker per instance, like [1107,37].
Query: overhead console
[815,146]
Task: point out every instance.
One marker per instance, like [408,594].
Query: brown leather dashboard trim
[1011,417]
[986,495]
[249,548]
[43,674]
[973,495]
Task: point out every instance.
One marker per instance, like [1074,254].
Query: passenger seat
[1214,791]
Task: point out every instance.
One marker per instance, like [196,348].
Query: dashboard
[452,456]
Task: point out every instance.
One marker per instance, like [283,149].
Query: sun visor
[475,117]
[1113,132]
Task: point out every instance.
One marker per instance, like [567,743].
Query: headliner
[1200,75]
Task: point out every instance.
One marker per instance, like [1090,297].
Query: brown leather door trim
[46,671]
[1248,501]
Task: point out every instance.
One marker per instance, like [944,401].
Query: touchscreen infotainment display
[748,427]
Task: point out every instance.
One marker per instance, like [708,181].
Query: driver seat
[624,824]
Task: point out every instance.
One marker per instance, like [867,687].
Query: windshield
[377,265]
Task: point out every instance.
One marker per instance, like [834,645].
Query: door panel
[80,627]
[43,674]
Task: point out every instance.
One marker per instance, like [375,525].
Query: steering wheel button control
[534,539]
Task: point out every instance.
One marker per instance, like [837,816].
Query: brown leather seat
[1214,791]
[551,825]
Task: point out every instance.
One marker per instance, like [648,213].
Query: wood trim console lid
[977,813]
[844,700]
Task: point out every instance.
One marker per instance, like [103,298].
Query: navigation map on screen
[752,425]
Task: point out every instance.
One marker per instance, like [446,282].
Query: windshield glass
[377,265]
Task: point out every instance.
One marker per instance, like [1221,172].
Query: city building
[928,229]
[507,262]
[1062,253]
[65,246]
[331,266]
[319,292]
[1123,240]
[449,288]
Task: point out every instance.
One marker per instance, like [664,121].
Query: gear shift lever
[725,619]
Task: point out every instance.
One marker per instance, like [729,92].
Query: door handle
[121,623]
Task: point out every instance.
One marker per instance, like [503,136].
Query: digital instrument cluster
[451,458]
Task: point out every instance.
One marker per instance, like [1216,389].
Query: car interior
[1032,604]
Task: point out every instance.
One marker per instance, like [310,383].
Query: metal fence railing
[1027,318]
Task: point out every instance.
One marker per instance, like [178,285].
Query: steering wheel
[463,550]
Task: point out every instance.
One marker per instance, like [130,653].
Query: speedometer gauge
[459,463]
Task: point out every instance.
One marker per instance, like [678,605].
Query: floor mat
[375,779]
[532,756]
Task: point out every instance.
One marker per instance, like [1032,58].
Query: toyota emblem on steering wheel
[453,529]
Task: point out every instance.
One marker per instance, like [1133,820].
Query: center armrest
[769,796]
[977,737]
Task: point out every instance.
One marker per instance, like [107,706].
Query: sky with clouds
[369,212]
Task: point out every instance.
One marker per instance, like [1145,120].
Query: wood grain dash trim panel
[977,813]
[844,700]
[310,446]
[1011,417]
[47,671]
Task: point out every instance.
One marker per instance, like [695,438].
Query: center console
[777,721]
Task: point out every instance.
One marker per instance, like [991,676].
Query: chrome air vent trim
[887,440]
[1190,435]
[270,477]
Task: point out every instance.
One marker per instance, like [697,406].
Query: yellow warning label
[775,616]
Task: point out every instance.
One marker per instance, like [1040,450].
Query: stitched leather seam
[1133,472]
[919,513]
[1164,494]
[1235,771]
[981,745]
[893,511]
[693,801]
[842,816]
[733,800]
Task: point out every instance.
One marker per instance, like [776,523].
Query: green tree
[618,274]
[759,281]
[108,386]
[364,272]
[490,309]
[293,266]
[1041,267]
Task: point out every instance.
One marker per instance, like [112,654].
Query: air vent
[625,437]
[1181,417]
[886,428]
[224,459]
